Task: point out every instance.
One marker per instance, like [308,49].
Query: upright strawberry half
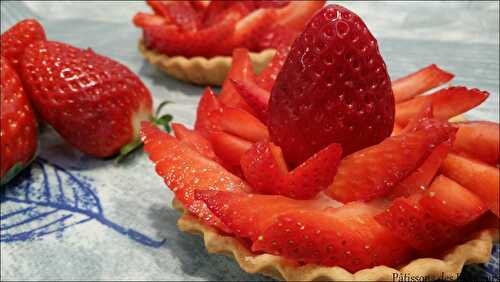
[95,103]
[18,126]
[333,88]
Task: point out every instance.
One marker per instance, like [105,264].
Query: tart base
[200,70]
[476,250]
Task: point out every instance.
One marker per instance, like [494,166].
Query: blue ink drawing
[47,199]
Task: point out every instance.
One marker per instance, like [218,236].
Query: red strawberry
[95,103]
[481,179]
[228,147]
[271,3]
[240,123]
[241,69]
[195,140]
[265,169]
[268,76]
[333,88]
[419,82]
[420,179]
[413,224]
[18,125]
[185,170]
[200,5]
[452,203]
[218,10]
[180,13]
[17,38]
[274,37]
[296,14]
[252,29]
[144,19]
[478,139]
[255,97]
[208,106]
[374,171]
[447,103]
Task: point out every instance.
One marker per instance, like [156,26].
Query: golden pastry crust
[476,250]
[200,70]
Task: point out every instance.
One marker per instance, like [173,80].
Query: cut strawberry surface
[296,14]
[480,178]
[419,82]
[248,31]
[255,97]
[333,88]
[411,223]
[265,169]
[374,171]
[275,36]
[240,123]
[421,118]
[184,170]
[241,69]
[452,203]
[144,19]
[420,179]
[479,140]
[447,103]
[180,13]
[267,77]
[208,106]
[335,238]
[228,147]
[195,140]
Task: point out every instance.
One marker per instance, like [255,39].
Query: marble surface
[116,222]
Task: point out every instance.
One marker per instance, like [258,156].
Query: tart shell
[200,70]
[476,250]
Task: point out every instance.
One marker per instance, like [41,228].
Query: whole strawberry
[18,132]
[95,103]
[333,88]
[18,37]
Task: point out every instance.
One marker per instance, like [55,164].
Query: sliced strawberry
[271,3]
[478,139]
[180,13]
[241,69]
[248,31]
[204,42]
[449,202]
[420,179]
[407,220]
[218,11]
[144,19]
[207,112]
[265,169]
[425,113]
[396,130]
[419,82]
[447,103]
[15,39]
[482,179]
[267,77]
[240,123]
[200,5]
[195,140]
[229,147]
[348,237]
[256,97]
[296,14]
[275,36]
[184,170]
[374,171]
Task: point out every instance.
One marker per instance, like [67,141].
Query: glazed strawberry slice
[241,69]
[374,171]
[265,169]
[240,123]
[195,140]
[144,19]
[174,42]
[479,140]
[480,178]
[250,30]
[419,82]
[275,36]
[411,223]
[447,103]
[420,179]
[348,237]
[14,40]
[206,114]
[184,170]
[425,113]
[180,13]
[296,14]
[450,202]
[255,97]
[329,91]
[200,5]
[228,147]
[267,77]
[217,11]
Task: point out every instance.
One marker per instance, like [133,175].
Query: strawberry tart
[322,168]
[193,40]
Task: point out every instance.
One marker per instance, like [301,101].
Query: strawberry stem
[11,173]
